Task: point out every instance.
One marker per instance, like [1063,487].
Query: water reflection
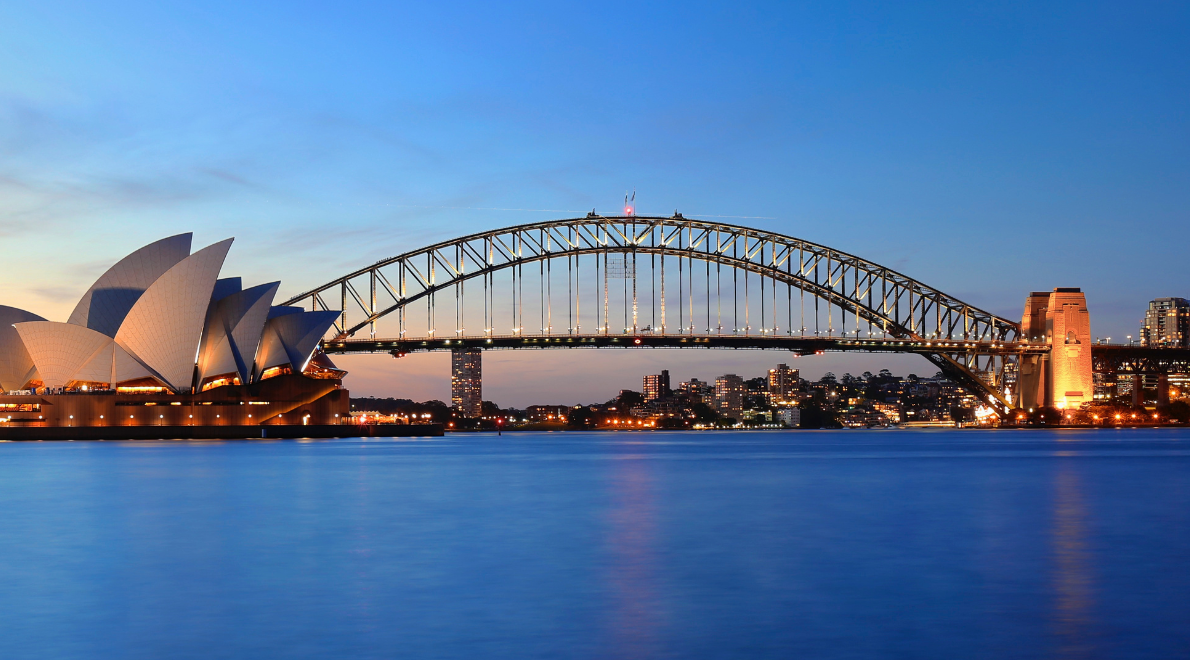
[705,545]
[1073,581]
[634,614]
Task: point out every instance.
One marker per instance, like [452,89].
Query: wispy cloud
[56,293]
[228,176]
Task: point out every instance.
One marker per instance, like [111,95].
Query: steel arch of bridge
[895,305]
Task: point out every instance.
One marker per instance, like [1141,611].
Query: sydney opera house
[161,339]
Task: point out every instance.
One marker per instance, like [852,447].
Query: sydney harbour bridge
[634,281]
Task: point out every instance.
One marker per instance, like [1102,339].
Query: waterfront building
[729,396]
[548,413]
[1166,323]
[656,386]
[1124,383]
[1179,386]
[758,415]
[790,416]
[657,409]
[161,328]
[783,383]
[1105,386]
[862,417]
[891,411]
[466,381]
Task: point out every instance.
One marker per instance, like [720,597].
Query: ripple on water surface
[841,544]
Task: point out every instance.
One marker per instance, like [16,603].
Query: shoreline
[230,432]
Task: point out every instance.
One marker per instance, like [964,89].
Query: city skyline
[951,144]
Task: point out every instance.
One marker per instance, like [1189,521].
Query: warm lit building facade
[1166,324]
[656,386]
[548,413]
[466,381]
[729,396]
[1063,378]
[783,383]
[890,410]
[160,338]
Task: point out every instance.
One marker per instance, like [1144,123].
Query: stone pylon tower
[1063,378]
[1031,380]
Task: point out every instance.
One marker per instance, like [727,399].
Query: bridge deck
[1132,359]
[799,345]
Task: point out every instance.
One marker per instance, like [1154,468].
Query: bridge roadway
[1106,358]
[1133,359]
[796,344]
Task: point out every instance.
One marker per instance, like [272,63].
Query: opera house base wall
[286,400]
[275,431]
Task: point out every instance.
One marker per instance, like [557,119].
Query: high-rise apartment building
[729,396]
[656,386]
[1167,323]
[466,381]
[782,383]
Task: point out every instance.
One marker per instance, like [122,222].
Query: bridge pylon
[1061,378]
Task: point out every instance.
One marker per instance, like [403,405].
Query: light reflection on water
[632,564]
[936,544]
[1074,582]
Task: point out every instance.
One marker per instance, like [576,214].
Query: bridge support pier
[1163,390]
[1063,379]
[1138,390]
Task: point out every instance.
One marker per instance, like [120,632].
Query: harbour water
[833,544]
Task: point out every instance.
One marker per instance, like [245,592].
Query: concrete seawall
[275,431]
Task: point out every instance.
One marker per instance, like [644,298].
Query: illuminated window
[142,389]
[221,381]
[272,372]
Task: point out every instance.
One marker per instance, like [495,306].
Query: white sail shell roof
[232,335]
[16,367]
[291,337]
[60,350]
[64,352]
[160,313]
[225,286]
[99,368]
[112,364]
[163,329]
[281,310]
[105,305]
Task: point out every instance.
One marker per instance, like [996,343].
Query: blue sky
[988,151]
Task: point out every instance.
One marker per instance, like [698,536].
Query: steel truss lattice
[888,303]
